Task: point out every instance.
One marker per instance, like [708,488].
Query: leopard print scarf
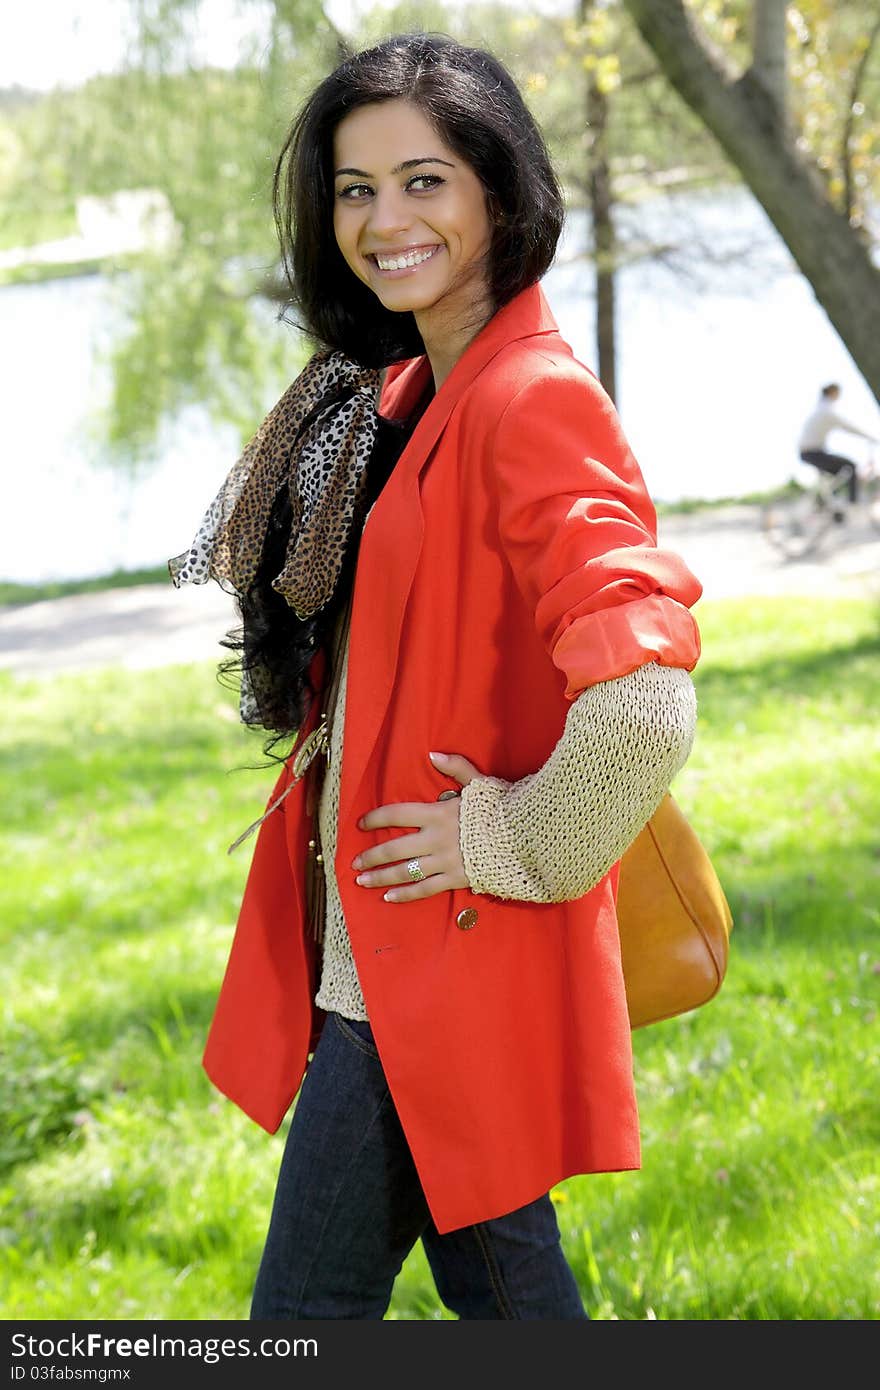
[317,442]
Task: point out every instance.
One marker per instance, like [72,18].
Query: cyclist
[817,427]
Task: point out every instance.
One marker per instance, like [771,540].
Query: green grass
[687,506]
[12,593]
[38,272]
[129,1189]
[27,222]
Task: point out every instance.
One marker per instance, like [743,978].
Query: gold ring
[415,870]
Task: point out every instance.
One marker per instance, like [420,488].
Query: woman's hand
[434,842]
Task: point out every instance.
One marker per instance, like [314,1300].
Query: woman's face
[400,190]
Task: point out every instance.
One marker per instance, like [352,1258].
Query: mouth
[413,261]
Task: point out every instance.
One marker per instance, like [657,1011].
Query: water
[715,375]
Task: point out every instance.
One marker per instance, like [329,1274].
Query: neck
[447,333]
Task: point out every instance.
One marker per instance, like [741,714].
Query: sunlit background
[721,344]
[140,344]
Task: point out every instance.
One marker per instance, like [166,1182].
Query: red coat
[510,561]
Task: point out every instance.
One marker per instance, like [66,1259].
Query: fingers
[401,813]
[426,888]
[455,765]
[435,843]
[417,813]
[436,847]
[390,851]
[393,874]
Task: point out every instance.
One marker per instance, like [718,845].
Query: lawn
[130,1189]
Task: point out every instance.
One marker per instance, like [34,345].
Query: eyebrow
[399,168]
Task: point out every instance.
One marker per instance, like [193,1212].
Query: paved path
[158,625]
[728,552]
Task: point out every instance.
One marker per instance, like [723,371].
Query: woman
[511,703]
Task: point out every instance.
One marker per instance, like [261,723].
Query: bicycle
[800,522]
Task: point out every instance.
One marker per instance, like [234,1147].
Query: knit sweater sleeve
[551,836]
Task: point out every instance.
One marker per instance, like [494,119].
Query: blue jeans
[349,1207]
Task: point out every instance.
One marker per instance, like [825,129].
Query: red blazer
[510,561]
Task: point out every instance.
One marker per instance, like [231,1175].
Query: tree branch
[858,76]
[744,119]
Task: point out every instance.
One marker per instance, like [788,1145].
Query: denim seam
[349,1034]
[495,1277]
[343,1178]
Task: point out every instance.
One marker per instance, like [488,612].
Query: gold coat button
[467,918]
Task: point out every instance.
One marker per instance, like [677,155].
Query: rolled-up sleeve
[579,531]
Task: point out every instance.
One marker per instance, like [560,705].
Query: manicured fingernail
[438,755]
[362,878]
[391,897]
[356,863]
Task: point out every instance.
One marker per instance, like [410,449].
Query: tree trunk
[601,196]
[743,118]
[604,244]
[850,206]
[768,52]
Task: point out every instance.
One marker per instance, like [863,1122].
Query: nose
[388,215]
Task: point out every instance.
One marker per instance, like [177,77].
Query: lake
[717,369]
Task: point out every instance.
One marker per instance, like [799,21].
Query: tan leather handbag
[673,917]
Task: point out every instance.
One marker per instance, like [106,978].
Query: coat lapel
[392,538]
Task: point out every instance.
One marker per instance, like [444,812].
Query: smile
[388,265]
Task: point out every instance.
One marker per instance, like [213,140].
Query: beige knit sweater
[550,836]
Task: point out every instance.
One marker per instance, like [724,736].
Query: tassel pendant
[318,741]
[316,891]
[255,825]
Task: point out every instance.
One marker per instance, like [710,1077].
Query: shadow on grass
[767,1193]
[213,893]
[113,1213]
[54,1077]
[160,1011]
[788,893]
[794,673]
[153,762]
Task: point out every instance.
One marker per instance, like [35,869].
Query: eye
[433,179]
[350,189]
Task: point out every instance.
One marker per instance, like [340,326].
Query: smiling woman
[420,240]
[445,179]
[457,554]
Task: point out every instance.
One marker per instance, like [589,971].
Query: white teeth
[398,262]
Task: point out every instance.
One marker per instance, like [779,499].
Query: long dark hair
[475,106]
[477,109]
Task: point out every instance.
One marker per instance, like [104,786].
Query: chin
[399,304]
